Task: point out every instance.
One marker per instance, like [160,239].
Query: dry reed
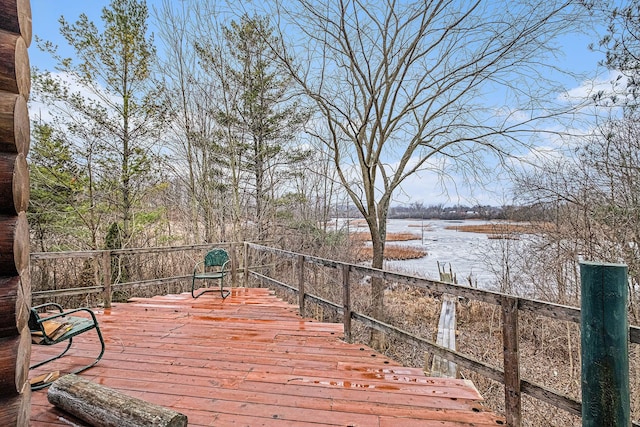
[391,252]
[365,236]
[501,229]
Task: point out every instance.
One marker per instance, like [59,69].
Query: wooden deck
[251,360]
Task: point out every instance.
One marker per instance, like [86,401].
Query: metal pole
[605,345]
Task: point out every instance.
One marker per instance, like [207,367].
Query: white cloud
[604,88]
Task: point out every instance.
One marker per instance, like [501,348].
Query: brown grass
[402,237]
[391,252]
[365,236]
[501,229]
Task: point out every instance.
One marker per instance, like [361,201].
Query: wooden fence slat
[301,291]
[544,394]
[510,343]
[246,265]
[234,265]
[346,302]
[106,278]
[446,337]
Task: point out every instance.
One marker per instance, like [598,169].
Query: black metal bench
[71,327]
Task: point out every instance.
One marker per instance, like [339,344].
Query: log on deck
[252,360]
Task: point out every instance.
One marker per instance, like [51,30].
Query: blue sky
[46,13]
[575,56]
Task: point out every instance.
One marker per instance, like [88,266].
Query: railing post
[300,271]
[346,302]
[510,341]
[106,277]
[605,345]
[245,262]
[234,266]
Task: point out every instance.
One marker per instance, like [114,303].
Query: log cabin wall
[15,286]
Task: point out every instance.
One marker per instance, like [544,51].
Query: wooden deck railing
[101,263]
[510,307]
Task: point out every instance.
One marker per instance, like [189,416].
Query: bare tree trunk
[378,237]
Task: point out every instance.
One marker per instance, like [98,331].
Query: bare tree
[404,87]
[193,92]
[593,200]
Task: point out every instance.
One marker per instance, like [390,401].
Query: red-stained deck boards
[251,360]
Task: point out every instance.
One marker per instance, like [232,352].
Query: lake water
[472,256]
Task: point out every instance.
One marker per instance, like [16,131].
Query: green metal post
[605,345]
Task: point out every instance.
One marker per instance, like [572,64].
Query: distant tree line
[456,212]
[417,210]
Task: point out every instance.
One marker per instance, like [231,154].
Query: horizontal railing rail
[102,261]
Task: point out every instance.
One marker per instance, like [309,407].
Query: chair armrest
[57,315]
[195,267]
[224,266]
[63,314]
[76,310]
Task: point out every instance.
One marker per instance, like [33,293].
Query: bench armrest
[75,310]
[48,304]
[41,320]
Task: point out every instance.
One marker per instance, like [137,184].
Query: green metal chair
[74,325]
[213,267]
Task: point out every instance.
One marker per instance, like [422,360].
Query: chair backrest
[216,257]
[33,321]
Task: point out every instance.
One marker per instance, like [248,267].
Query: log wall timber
[14,244]
[14,183]
[16,409]
[17,351]
[15,285]
[14,124]
[16,18]
[14,305]
[14,64]
[102,406]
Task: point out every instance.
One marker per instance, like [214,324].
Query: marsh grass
[391,252]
